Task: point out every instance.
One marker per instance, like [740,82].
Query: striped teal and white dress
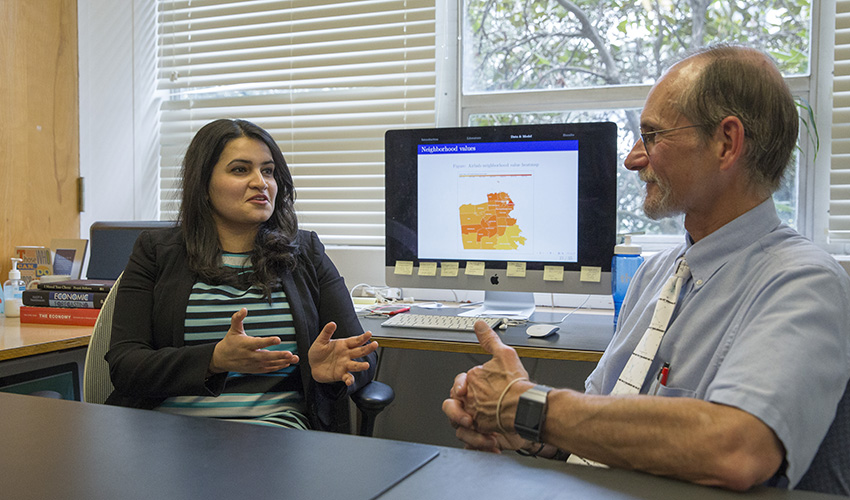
[271,398]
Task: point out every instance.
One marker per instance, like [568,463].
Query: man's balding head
[728,80]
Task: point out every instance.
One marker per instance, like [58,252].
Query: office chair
[370,400]
[826,470]
[111,243]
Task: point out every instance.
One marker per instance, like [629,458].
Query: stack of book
[71,302]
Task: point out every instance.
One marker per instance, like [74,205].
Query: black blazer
[149,362]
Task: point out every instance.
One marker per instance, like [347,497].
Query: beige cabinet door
[39,124]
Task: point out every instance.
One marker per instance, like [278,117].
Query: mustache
[646,176]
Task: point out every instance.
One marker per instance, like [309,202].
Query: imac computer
[517,208]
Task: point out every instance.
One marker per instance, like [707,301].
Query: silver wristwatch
[531,412]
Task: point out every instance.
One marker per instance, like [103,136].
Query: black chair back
[111,243]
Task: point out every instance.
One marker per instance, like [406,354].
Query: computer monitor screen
[495,200]
[61,382]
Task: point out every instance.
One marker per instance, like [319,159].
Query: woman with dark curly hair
[231,313]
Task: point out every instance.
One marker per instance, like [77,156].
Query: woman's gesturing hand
[239,352]
[333,360]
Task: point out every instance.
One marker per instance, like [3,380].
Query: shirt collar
[708,255]
[236,260]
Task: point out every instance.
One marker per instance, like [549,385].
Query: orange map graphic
[487,226]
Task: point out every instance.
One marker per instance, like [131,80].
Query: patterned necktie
[637,367]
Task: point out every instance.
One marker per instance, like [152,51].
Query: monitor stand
[513,305]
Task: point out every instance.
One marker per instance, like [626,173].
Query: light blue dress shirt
[763,324]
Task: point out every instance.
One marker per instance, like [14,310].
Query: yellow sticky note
[516,269]
[474,268]
[449,269]
[404,267]
[591,274]
[553,273]
[427,268]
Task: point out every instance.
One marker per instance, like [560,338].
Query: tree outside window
[532,45]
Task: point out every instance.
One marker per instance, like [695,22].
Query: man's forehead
[660,109]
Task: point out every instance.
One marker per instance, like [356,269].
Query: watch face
[526,414]
[530,412]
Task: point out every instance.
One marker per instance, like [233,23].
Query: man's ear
[730,132]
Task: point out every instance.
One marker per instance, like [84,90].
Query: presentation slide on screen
[513,201]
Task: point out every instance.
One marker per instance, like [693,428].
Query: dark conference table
[72,450]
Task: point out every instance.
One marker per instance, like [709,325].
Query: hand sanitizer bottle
[627,259]
[13,291]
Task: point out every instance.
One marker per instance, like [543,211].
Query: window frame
[810,215]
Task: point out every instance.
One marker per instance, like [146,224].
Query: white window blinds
[326,78]
[839,182]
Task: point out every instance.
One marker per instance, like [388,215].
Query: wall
[39,145]
[119,155]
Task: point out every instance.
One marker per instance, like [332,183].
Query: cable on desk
[508,323]
[380,293]
[577,308]
[566,315]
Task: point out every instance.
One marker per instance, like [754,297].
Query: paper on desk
[498,313]
[430,305]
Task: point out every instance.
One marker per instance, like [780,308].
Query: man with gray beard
[731,357]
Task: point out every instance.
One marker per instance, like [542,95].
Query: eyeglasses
[648,138]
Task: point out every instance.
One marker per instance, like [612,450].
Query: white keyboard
[435,322]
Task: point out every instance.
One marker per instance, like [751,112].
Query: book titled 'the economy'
[59,315]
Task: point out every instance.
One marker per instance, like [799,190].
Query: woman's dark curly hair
[274,247]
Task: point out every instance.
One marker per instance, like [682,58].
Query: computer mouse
[540,331]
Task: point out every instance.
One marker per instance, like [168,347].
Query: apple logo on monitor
[494,279]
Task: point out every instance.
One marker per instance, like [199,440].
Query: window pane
[630,189]
[551,44]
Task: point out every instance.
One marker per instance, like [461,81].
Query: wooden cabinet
[39,124]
